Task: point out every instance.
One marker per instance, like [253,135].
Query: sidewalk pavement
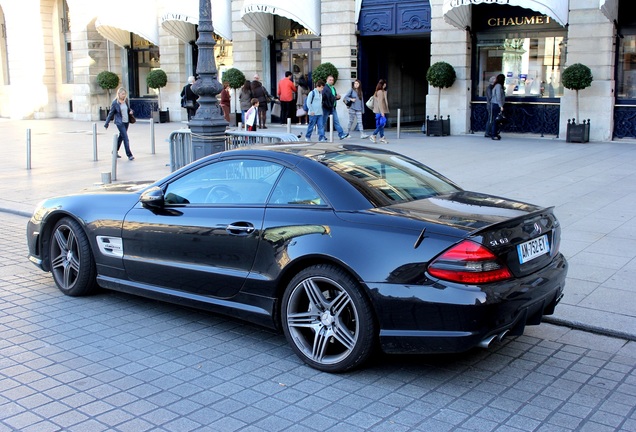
[590,185]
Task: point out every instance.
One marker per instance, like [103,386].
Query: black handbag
[131,119]
[501,119]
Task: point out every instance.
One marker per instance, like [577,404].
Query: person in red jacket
[225,100]
[286,91]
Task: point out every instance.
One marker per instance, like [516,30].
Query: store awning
[609,9]
[180,20]
[121,18]
[258,14]
[458,12]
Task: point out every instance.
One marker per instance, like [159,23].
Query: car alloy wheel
[72,263]
[327,319]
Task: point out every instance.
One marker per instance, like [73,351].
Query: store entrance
[402,62]
[300,57]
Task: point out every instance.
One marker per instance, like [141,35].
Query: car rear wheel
[72,263]
[327,319]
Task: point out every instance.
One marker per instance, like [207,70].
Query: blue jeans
[380,122]
[313,121]
[123,136]
[336,122]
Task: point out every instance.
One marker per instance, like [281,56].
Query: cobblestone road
[114,362]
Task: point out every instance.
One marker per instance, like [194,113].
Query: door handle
[240,228]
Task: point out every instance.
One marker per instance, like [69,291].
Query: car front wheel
[327,319]
[72,263]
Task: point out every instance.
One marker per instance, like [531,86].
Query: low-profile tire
[327,319]
[72,262]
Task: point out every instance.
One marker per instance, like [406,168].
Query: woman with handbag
[497,106]
[354,101]
[245,99]
[189,98]
[380,109]
[121,114]
[259,92]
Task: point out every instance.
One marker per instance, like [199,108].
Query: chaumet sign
[518,21]
[259,8]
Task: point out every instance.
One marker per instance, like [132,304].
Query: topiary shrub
[440,75]
[577,77]
[156,79]
[323,70]
[108,81]
[235,77]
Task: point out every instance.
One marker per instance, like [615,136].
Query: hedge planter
[103,113]
[437,127]
[578,132]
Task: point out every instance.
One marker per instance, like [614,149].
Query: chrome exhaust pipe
[490,339]
[502,335]
[486,342]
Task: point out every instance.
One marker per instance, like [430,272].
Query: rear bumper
[451,318]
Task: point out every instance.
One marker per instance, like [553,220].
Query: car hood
[466,211]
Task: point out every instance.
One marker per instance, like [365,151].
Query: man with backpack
[314,109]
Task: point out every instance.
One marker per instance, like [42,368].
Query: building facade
[48,68]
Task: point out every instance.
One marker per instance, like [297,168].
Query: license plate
[533,248]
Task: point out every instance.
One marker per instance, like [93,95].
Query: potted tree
[236,78]
[157,79]
[323,70]
[577,77]
[108,81]
[440,75]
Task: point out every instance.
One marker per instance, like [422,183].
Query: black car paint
[416,312]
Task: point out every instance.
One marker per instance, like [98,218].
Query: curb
[576,325]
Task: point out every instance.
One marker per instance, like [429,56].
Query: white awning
[609,9]
[258,14]
[121,18]
[180,20]
[458,12]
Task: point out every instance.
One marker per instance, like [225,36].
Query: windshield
[388,178]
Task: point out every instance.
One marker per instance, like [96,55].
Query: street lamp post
[208,125]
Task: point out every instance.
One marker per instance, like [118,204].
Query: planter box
[438,127]
[164,116]
[103,113]
[579,133]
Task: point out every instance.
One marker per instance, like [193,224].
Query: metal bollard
[114,158]
[399,115]
[95,142]
[28,139]
[106,178]
[330,128]
[152,136]
[288,125]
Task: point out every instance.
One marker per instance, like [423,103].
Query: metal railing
[181,151]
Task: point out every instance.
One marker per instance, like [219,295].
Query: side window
[293,189]
[236,182]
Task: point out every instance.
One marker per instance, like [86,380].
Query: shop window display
[532,65]
[626,68]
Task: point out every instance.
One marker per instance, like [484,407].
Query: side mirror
[152,198]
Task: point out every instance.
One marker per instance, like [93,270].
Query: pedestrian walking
[245,99]
[497,106]
[286,94]
[120,113]
[491,84]
[354,99]
[329,99]
[189,98]
[259,92]
[381,110]
[226,100]
[315,112]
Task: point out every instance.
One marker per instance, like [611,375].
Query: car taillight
[469,263]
